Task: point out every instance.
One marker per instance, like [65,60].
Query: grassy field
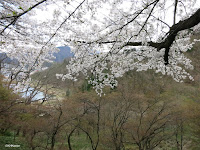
[10,140]
[80,142]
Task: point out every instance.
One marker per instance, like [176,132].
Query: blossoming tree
[108,37]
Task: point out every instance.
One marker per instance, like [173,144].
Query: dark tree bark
[188,23]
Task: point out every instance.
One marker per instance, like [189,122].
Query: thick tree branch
[166,44]
[180,26]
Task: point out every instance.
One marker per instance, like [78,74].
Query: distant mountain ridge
[5,59]
[64,53]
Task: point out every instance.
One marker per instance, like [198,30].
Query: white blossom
[97,32]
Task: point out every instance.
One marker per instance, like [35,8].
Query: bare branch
[19,15]
[148,17]
[175,9]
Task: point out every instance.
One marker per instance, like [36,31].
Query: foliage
[4,140]
[128,35]
[140,110]
[5,93]
[86,120]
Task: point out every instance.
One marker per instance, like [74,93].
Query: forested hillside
[146,111]
[128,79]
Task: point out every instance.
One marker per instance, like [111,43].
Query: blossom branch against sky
[15,16]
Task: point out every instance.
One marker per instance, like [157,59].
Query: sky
[47,14]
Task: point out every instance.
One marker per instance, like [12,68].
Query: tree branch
[180,26]
[148,17]
[175,9]
[166,44]
[16,17]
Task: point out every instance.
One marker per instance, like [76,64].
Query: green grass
[6,140]
[80,142]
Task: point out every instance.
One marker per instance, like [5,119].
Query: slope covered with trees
[122,92]
[153,113]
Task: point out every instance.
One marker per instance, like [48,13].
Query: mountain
[64,53]
[5,59]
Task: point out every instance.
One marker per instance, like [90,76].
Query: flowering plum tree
[108,37]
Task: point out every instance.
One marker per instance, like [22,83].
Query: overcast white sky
[47,14]
[59,5]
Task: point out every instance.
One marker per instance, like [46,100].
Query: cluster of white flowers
[107,67]
[98,33]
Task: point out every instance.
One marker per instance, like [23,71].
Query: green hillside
[145,111]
